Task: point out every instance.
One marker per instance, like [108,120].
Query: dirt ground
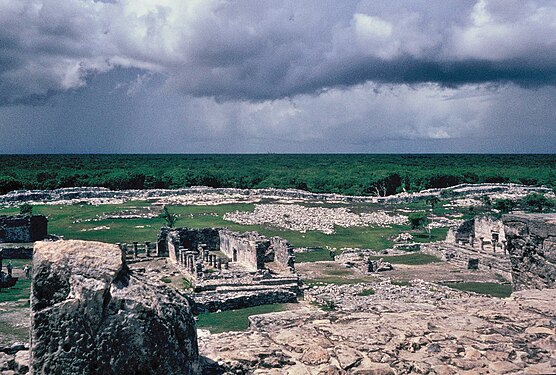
[433,272]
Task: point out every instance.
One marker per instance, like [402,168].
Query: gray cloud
[256,51]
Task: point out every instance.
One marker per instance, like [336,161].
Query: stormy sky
[204,76]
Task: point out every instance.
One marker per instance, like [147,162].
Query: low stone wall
[22,252]
[242,300]
[532,247]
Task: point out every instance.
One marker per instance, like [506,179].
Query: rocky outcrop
[91,315]
[450,335]
[532,247]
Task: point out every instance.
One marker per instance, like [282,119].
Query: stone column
[135,249]
[472,240]
[147,248]
[219,263]
[191,264]
[123,246]
[226,264]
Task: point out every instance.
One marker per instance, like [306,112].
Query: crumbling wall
[461,233]
[283,253]
[187,238]
[173,245]
[23,228]
[532,248]
[485,226]
[247,248]
[91,315]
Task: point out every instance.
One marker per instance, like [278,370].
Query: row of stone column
[135,249]
[503,243]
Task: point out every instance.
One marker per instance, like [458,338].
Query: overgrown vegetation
[366,292]
[345,174]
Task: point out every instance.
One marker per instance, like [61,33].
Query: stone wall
[247,248]
[91,315]
[532,247]
[23,228]
[480,226]
[485,226]
[236,301]
[283,253]
[20,252]
[461,233]
[171,239]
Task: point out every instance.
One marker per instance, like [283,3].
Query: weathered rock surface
[449,335]
[532,247]
[91,315]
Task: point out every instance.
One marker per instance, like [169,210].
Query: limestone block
[91,315]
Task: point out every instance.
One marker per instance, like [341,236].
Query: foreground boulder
[532,247]
[91,315]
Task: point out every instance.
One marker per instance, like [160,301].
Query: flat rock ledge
[463,335]
[91,315]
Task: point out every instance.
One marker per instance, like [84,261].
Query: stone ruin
[23,228]
[231,270]
[476,244]
[483,232]
[90,314]
[251,250]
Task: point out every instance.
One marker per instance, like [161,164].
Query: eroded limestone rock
[532,247]
[91,315]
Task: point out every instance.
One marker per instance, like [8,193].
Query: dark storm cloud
[255,51]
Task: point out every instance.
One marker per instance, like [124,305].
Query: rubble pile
[302,219]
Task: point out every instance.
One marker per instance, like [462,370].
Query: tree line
[343,174]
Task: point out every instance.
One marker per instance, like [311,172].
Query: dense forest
[345,174]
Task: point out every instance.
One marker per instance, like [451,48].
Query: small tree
[418,220]
[504,205]
[537,202]
[433,201]
[168,217]
[26,209]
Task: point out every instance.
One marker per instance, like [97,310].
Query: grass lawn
[366,292]
[234,320]
[491,289]
[21,290]
[409,259]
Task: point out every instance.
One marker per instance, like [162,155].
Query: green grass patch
[337,272]
[234,320]
[326,306]
[166,280]
[21,290]
[366,292]
[312,256]
[491,289]
[409,259]
[400,282]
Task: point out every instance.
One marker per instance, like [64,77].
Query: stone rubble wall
[202,194]
[22,228]
[211,302]
[532,247]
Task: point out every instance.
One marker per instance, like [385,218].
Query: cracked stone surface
[450,335]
